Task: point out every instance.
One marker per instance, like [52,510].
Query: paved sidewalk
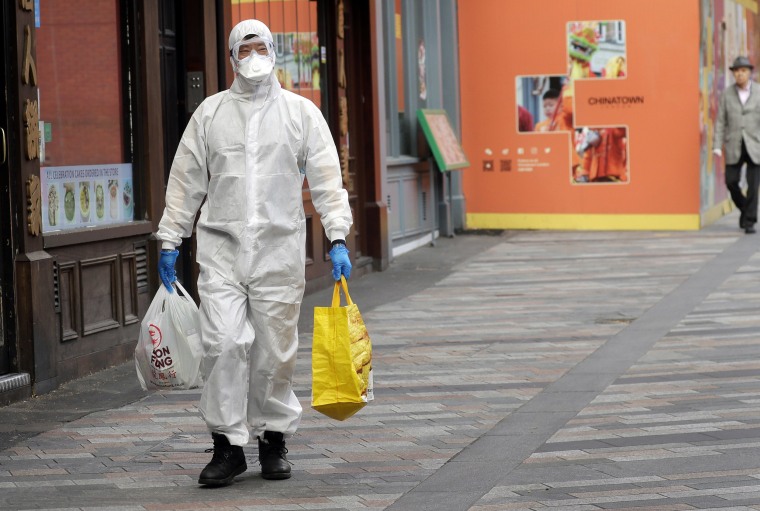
[543,370]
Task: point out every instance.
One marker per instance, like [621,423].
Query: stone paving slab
[685,411]
[462,368]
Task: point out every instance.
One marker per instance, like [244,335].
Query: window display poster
[82,196]
[582,122]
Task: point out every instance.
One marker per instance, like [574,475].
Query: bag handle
[336,292]
[179,286]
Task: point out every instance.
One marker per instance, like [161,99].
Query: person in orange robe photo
[606,158]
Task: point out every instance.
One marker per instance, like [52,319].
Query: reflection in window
[294,28]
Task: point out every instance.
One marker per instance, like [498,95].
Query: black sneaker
[228,461]
[272,451]
[750,229]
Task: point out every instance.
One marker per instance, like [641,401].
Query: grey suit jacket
[736,121]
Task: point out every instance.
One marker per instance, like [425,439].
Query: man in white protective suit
[246,151]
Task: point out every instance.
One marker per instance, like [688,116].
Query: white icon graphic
[505,152]
[547,150]
[520,150]
[488,152]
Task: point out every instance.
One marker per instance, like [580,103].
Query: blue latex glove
[166,268]
[340,260]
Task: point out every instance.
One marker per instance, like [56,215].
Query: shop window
[87,175]
[294,27]
[399,49]
[399,18]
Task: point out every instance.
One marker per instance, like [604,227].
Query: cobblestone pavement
[552,370]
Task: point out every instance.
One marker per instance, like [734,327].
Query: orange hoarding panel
[581,107]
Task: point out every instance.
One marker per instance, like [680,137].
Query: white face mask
[255,68]
[254,57]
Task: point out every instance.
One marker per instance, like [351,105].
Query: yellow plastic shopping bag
[341,360]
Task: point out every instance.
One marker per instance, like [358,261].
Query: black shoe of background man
[750,229]
[272,451]
[228,461]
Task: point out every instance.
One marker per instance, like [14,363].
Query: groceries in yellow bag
[341,360]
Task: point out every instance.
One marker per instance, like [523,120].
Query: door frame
[7,285]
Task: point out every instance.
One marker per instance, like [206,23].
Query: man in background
[737,127]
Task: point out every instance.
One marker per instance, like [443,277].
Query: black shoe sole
[223,482]
[275,476]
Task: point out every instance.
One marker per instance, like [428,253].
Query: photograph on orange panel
[537,101]
[596,49]
[602,153]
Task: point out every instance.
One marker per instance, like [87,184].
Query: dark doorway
[7,328]
[359,96]
[170,26]
[181,60]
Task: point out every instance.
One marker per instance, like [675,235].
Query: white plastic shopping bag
[169,351]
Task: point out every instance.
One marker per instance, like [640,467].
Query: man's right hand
[166,268]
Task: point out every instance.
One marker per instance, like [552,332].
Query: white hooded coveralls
[246,151]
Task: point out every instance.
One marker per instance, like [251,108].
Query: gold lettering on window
[27,5]
[344,164]
[341,19]
[32,129]
[30,68]
[343,116]
[34,201]
[341,69]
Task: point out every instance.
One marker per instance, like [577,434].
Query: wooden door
[360,122]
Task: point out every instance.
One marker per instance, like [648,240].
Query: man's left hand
[340,260]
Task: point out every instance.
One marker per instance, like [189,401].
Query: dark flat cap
[741,61]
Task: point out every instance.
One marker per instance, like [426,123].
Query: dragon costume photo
[600,155]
